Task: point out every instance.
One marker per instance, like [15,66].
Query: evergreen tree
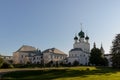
[115,51]
[97,58]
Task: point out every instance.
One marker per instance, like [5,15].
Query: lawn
[72,73]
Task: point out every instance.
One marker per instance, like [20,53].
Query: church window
[33,58]
[70,55]
[37,58]
[54,56]
[75,55]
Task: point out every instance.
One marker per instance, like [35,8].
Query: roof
[26,48]
[53,50]
[76,49]
[81,34]
[107,54]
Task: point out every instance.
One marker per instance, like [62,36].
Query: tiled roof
[53,50]
[107,54]
[26,48]
[76,49]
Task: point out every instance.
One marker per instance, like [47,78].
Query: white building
[53,55]
[27,54]
[81,49]
[9,58]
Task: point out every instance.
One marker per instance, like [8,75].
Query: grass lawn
[72,73]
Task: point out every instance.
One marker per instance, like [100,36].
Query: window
[75,55]
[21,56]
[33,58]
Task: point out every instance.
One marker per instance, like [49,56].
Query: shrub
[6,65]
[75,63]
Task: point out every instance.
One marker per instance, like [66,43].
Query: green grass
[73,73]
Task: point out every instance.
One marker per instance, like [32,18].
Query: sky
[53,23]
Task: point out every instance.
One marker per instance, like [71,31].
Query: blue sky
[53,23]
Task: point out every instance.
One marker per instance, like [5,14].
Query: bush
[75,63]
[87,69]
[6,65]
[1,61]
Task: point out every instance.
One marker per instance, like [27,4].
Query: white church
[81,49]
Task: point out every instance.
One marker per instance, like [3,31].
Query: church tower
[81,35]
[87,38]
[76,39]
[102,50]
[81,49]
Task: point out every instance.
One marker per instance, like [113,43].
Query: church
[81,49]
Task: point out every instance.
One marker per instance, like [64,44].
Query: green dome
[86,37]
[81,34]
[75,38]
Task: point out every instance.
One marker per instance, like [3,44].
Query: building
[27,54]
[53,55]
[108,57]
[8,59]
[81,49]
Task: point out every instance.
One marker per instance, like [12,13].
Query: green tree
[1,61]
[96,58]
[4,64]
[115,51]
[105,61]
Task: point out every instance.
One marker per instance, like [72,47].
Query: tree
[115,51]
[75,63]
[105,61]
[50,64]
[96,58]
[6,65]
[1,61]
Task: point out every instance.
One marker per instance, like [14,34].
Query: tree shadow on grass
[58,73]
[84,73]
